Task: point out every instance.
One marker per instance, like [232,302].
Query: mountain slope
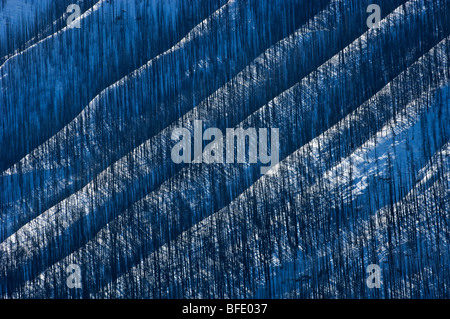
[363,177]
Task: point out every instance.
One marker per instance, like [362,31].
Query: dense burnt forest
[87,116]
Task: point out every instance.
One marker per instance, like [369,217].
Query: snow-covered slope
[364,173]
